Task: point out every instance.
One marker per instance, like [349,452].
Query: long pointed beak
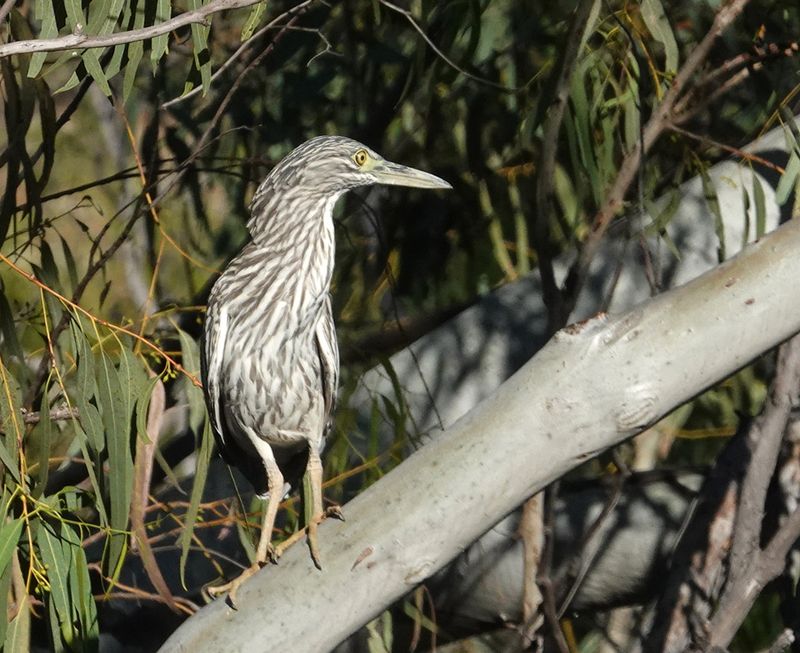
[394,174]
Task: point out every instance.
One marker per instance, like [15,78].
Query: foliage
[117,213]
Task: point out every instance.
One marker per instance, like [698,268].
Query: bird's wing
[211,357]
[328,351]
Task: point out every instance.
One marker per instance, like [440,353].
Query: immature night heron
[270,361]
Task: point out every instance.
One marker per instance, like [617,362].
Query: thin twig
[547,162]
[8,5]
[294,11]
[62,413]
[747,156]
[109,325]
[751,568]
[482,80]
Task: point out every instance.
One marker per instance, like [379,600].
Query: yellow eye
[360,157]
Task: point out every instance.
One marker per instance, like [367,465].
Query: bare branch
[482,80]
[5,9]
[658,123]
[273,24]
[751,568]
[547,163]
[82,41]
[62,413]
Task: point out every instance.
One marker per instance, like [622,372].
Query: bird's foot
[313,546]
[310,530]
[231,587]
[333,511]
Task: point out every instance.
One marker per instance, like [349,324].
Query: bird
[269,354]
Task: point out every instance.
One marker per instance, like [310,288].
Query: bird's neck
[295,232]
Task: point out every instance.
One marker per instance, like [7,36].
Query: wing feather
[211,361]
[328,351]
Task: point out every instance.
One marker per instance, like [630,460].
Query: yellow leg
[265,551]
[312,485]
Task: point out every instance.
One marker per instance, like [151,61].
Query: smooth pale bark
[593,385]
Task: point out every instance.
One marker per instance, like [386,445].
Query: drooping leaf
[253,20]
[201,473]
[761,206]
[202,55]
[18,635]
[9,537]
[45,432]
[84,609]
[8,329]
[113,394]
[103,16]
[712,201]
[135,52]
[44,10]
[57,562]
[190,354]
[10,421]
[789,179]
[160,44]
[657,22]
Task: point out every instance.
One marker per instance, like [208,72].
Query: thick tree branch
[526,435]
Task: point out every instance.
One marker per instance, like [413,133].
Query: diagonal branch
[519,440]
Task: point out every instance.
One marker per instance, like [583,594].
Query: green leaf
[656,20]
[10,421]
[713,205]
[254,19]
[201,473]
[788,180]
[761,206]
[5,586]
[113,394]
[45,432]
[160,44]
[84,609]
[8,329]
[135,52]
[18,635]
[57,563]
[75,17]
[202,56]
[45,12]
[49,268]
[190,355]
[9,537]
[47,121]
[69,259]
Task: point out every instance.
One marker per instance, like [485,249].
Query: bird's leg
[312,485]
[265,550]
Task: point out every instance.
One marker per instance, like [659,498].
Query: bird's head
[333,164]
[307,182]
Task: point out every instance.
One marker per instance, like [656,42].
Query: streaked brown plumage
[269,358]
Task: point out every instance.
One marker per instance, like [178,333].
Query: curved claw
[231,587]
[335,512]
